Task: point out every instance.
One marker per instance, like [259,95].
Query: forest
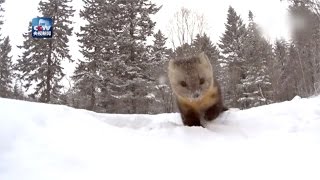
[122,72]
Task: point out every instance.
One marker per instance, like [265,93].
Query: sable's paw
[192,122]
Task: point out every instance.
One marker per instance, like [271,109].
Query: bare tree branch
[184,26]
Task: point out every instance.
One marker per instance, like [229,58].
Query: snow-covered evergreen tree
[133,59]
[1,11]
[17,92]
[40,65]
[282,74]
[6,73]
[114,72]
[256,83]
[159,51]
[306,40]
[160,57]
[203,43]
[183,50]
[5,68]
[98,43]
[294,72]
[232,60]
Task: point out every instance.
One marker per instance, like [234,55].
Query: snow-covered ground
[51,142]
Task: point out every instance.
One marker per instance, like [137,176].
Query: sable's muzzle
[196,95]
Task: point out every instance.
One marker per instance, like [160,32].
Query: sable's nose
[196,95]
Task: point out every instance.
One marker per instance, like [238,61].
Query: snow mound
[296,98]
[52,142]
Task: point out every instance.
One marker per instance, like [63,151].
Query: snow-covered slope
[51,142]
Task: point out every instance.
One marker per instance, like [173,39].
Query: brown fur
[208,108]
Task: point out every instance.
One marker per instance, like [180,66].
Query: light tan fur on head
[191,77]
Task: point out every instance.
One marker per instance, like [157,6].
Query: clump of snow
[40,141]
[150,96]
[296,98]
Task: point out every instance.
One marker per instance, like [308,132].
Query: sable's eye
[183,83]
[201,81]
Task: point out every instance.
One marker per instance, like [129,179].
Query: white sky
[269,14]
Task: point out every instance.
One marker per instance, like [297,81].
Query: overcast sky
[269,14]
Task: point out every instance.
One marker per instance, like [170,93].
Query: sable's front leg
[190,118]
[213,112]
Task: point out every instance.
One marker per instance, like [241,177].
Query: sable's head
[190,77]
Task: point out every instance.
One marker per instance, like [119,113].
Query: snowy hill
[51,142]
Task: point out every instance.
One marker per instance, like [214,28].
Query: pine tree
[1,11]
[40,64]
[134,57]
[202,43]
[159,57]
[116,58]
[256,83]
[232,60]
[233,38]
[283,71]
[5,68]
[17,92]
[98,45]
[158,70]
[306,40]
[159,50]
[294,72]
[184,50]
[280,51]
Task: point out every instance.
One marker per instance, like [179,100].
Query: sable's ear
[203,58]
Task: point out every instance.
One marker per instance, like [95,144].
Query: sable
[196,89]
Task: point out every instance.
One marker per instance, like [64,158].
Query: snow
[53,142]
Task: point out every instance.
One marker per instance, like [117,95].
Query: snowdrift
[52,142]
